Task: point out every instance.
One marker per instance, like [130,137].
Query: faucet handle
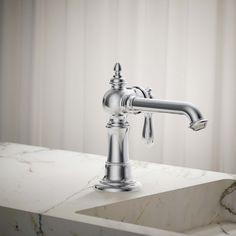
[149,92]
[147,133]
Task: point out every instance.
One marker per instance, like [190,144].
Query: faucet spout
[197,122]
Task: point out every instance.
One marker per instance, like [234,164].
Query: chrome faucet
[120,101]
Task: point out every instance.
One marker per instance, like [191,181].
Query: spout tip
[198,125]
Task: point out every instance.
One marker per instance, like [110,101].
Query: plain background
[57,57]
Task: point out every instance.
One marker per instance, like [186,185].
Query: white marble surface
[219,229]
[43,190]
[179,210]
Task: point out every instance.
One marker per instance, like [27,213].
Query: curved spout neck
[197,122]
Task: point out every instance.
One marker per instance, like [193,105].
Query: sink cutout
[194,210]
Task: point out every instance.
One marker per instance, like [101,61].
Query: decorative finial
[117,80]
[117,69]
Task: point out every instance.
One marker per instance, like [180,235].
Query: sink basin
[195,210]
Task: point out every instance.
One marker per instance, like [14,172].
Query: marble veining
[219,229]
[228,191]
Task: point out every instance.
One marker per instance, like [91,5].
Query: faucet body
[120,101]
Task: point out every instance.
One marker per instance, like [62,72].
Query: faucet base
[123,186]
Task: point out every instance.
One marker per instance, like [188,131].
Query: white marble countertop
[47,187]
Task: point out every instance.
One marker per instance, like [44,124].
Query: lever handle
[147,134]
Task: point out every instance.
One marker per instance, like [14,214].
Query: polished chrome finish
[118,174]
[147,133]
[182,108]
[117,169]
[121,100]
